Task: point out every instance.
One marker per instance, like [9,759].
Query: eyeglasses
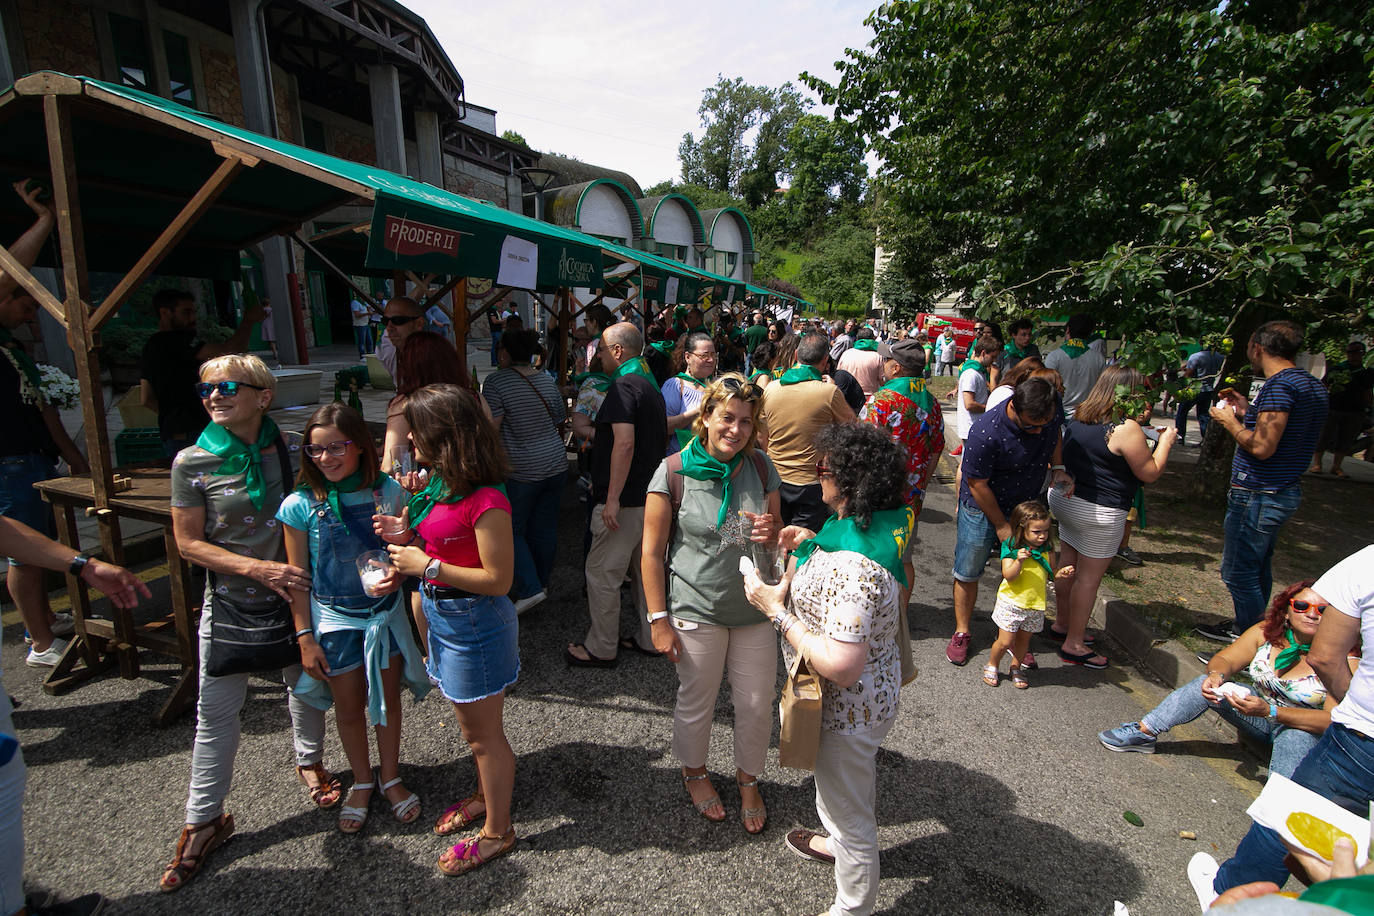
[1032,427]
[823,469]
[1307,607]
[226,389]
[395,320]
[338,448]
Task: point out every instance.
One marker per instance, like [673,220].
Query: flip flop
[1054,635]
[591,661]
[1086,660]
[628,642]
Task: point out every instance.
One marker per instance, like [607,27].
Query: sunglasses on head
[226,389]
[746,390]
[1307,607]
[338,448]
[399,319]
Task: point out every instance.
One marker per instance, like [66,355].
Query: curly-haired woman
[838,607]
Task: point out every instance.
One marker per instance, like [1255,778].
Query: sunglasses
[1307,607]
[226,389]
[823,469]
[338,448]
[746,390]
[396,320]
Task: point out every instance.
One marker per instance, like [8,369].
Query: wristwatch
[78,563]
[432,569]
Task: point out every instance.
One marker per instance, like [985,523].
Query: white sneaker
[62,624]
[49,657]
[524,604]
[1202,875]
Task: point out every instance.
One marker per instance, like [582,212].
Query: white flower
[59,389]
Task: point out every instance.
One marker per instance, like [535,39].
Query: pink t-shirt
[449,529]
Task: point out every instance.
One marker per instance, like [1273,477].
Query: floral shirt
[850,598]
[918,428]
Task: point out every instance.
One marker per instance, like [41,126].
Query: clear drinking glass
[373,567]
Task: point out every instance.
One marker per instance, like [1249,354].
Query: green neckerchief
[663,346]
[800,373]
[913,389]
[760,372]
[1290,656]
[600,380]
[972,363]
[241,457]
[883,542]
[1074,347]
[865,344]
[1349,895]
[691,380]
[31,380]
[1015,352]
[1037,553]
[434,493]
[350,484]
[635,366]
[698,464]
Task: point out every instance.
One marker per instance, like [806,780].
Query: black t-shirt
[849,387]
[493,318]
[171,367]
[1349,383]
[632,399]
[25,431]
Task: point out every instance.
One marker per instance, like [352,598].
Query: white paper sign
[1281,797]
[519,263]
[670,291]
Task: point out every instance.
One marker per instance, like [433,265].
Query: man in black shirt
[631,429]
[1352,390]
[171,367]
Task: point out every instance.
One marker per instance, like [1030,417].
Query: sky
[616,83]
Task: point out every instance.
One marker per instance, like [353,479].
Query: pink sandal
[467,855]
[456,817]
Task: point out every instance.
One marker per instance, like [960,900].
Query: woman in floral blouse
[838,606]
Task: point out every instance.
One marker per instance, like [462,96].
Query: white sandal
[349,813]
[400,809]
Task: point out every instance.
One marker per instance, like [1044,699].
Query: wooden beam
[341,230]
[366,297]
[176,230]
[434,297]
[30,284]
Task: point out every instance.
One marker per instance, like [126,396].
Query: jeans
[1199,405]
[1253,520]
[362,336]
[534,520]
[18,499]
[1341,768]
[1290,745]
[495,346]
[975,540]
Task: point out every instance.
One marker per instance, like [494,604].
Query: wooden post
[460,322]
[84,342]
[565,327]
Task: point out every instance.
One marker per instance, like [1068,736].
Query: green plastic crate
[139,444]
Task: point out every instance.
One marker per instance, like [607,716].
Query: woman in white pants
[700,617]
[838,608]
[225,493]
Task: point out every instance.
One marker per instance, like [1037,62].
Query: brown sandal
[329,790]
[457,817]
[467,855]
[184,867]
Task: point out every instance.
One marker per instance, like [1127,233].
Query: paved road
[990,801]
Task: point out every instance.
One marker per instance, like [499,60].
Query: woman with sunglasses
[1287,707]
[226,490]
[700,617]
[355,639]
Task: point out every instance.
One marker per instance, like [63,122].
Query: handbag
[244,640]
[799,711]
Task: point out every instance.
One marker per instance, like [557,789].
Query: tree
[827,169]
[726,158]
[1175,167]
[840,270]
[511,136]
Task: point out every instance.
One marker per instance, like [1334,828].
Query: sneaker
[86,905]
[958,451]
[1218,632]
[62,625]
[48,658]
[524,604]
[1127,737]
[1130,556]
[1206,657]
[957,650]
[1202,875]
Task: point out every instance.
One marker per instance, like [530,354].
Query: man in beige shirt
[863,362]
[794,410]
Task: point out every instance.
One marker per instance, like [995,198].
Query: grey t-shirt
[704,582]
[527,412]
[231,519]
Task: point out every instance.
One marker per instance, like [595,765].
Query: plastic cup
[373,567]
[768,562]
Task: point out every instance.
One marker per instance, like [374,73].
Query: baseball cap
[909,354]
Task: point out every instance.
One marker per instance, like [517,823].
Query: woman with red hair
[426,358]
[1285,705]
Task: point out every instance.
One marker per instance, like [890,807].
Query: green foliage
[511,136]
[827,167]
[841,271]
[744,130]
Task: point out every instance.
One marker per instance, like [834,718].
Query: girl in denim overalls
[356,649]
[469,626]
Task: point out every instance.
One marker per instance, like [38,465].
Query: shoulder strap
[760,466]
[284,458]
[541,398]
[674,462]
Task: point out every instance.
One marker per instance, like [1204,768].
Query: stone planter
[296,387]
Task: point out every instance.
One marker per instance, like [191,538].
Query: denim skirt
[474,646]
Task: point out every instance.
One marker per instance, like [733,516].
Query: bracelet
[784,622]
[1273,711]
[305,631]
[657,615]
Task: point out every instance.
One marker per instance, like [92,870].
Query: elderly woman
[226,490]
[695,362]
[700,617]
[839,609]
[1106,452]
[1287,707]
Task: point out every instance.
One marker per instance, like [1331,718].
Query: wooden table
[100,644]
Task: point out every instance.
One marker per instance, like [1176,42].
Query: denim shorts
[18,499]
[343,650]
[474,646]
[976,540]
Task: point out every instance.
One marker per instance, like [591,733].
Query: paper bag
[800,714]
[908,658]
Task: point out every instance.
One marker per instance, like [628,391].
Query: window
[723,263]
[132,60]
[673,252]
[180,77]
[609,238]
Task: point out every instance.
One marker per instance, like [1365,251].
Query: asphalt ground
[989,801]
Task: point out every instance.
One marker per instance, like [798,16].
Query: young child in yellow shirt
[1028,563]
